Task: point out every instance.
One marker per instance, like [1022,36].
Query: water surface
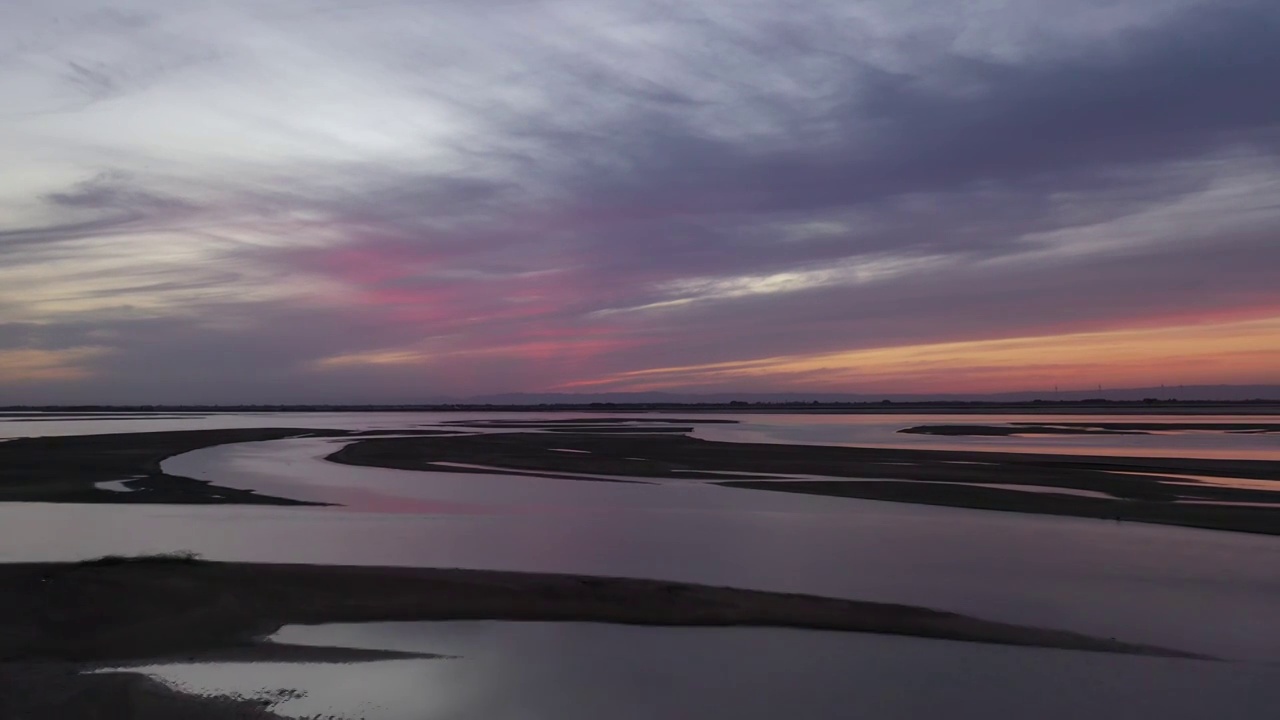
[1206,591]
[1203,591]
[572,671]
[872,430]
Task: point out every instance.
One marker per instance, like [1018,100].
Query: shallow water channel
[1195,590]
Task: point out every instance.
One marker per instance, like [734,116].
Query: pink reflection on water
[1231,482]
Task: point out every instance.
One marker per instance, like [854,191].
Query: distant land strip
[1262,406]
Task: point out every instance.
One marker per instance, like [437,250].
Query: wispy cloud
[1076,360]
[461,197]
[29,365]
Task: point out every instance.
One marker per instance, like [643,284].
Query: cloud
[43,366]
[1033,363]
[310,198]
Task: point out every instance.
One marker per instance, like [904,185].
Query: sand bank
[128,609]
[1141,489]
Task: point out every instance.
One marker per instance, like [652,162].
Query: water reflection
[1231,482]
[574,670]
[1203,591]
[877,430]
[882,431]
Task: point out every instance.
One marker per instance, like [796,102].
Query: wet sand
[1142,489]
[1262,518]
[84,469]
[58,618]
[63,692]
[69,468]
[98,613]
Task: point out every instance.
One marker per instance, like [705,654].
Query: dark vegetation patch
[180,557]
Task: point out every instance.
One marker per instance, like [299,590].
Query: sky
[341,201]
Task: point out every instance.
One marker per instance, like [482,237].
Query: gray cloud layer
[222,196]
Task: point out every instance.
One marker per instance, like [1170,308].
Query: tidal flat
[67,617]
[60,620]
[1137,489]
[72,468]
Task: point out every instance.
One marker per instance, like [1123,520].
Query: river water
[1204,591]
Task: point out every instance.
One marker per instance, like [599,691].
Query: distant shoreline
[1063,407]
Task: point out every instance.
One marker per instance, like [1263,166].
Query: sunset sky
[327,201]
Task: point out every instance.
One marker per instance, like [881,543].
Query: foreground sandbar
[128,609]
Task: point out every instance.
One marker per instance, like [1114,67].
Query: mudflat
[65,692]
[68,468]
[1139,489]
[125,609]
[59,620]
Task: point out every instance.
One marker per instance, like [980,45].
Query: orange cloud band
[1235,352]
